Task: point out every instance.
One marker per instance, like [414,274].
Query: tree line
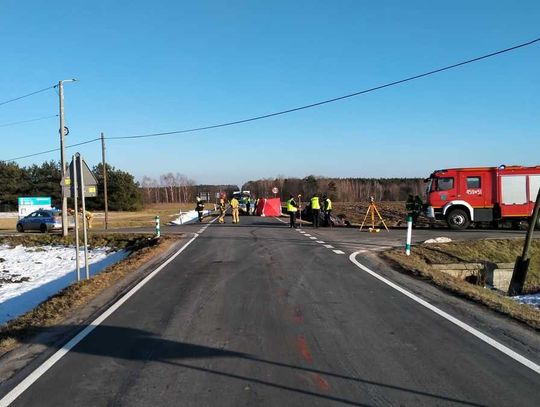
[339,189]
[178,188]
[124,194]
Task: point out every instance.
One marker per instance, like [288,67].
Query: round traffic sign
[275,190]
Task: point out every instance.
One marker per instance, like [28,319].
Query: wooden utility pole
[522,262]
[104,164]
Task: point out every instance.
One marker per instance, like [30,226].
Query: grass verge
[496,251]
[60,306]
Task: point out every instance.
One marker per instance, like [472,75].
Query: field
[143,218]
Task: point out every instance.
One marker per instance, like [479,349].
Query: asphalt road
[258,314]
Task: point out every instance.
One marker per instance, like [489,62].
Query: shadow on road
[135,344]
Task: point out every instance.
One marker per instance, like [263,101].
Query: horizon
[176,65]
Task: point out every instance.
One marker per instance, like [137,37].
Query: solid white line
[338,252]
[473,331]
[328,246]
[313,238]
[36,374]
[320,241]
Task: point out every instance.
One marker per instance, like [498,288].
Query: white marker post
[409,236]
[158,230]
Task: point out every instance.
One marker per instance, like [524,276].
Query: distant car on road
[43,220]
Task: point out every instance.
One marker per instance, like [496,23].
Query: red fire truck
[490,194]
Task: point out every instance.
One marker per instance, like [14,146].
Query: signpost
[79,179]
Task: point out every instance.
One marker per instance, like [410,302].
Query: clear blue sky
[152,66]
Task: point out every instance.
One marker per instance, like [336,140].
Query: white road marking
[36,374]
[320,241]
[313,238]
[307,234]
[328,246]
[473,331]
[338,252]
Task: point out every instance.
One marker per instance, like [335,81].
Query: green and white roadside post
[409,235]
[158,230]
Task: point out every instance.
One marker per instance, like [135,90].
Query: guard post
[409,235]
[158,230]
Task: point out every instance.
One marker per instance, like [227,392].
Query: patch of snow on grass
[529,299]
[439,240]
[29,275]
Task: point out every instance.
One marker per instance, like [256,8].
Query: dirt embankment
[422,258]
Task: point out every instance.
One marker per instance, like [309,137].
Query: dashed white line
[473,331]
[320,241]
[328,246]
[338,251]
[313,238]
[307,234]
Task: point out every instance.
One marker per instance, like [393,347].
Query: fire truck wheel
[458,219]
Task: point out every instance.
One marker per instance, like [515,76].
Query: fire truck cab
[461,196]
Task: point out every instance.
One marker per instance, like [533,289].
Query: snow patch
[529,299]
[29,275]
[439,240]
[187,217]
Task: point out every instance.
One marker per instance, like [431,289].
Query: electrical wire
[52,150]
[28,121]
[411,78]
[27,95]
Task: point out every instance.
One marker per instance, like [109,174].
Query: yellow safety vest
[290,207]
[315,203]
[328,204]
[234,203]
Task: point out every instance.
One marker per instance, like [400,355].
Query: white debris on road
[439,240]
[29,275]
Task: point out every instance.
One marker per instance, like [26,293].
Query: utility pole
[62,153]
[522,262]
[104,164]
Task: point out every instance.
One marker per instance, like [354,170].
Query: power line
[52,150]
[333,99]
[28,121]
[27,95]
[411,78]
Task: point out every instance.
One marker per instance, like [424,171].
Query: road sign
[275,190]
[90,181]
[30,204]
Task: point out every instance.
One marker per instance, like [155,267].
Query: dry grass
[497,251]
[66,302]
[142,218]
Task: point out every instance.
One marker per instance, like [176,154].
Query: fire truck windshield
[429,184]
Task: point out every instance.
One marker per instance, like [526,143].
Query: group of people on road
[315,206]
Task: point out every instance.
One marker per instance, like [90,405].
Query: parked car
[43,220]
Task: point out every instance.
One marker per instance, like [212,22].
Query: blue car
[43,220]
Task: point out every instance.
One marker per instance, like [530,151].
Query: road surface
[258,314]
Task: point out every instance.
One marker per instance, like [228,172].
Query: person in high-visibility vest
[235,212]
[292,208]
[222,209]
[327,207]
[315,210]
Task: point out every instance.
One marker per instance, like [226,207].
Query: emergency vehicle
[461,196]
